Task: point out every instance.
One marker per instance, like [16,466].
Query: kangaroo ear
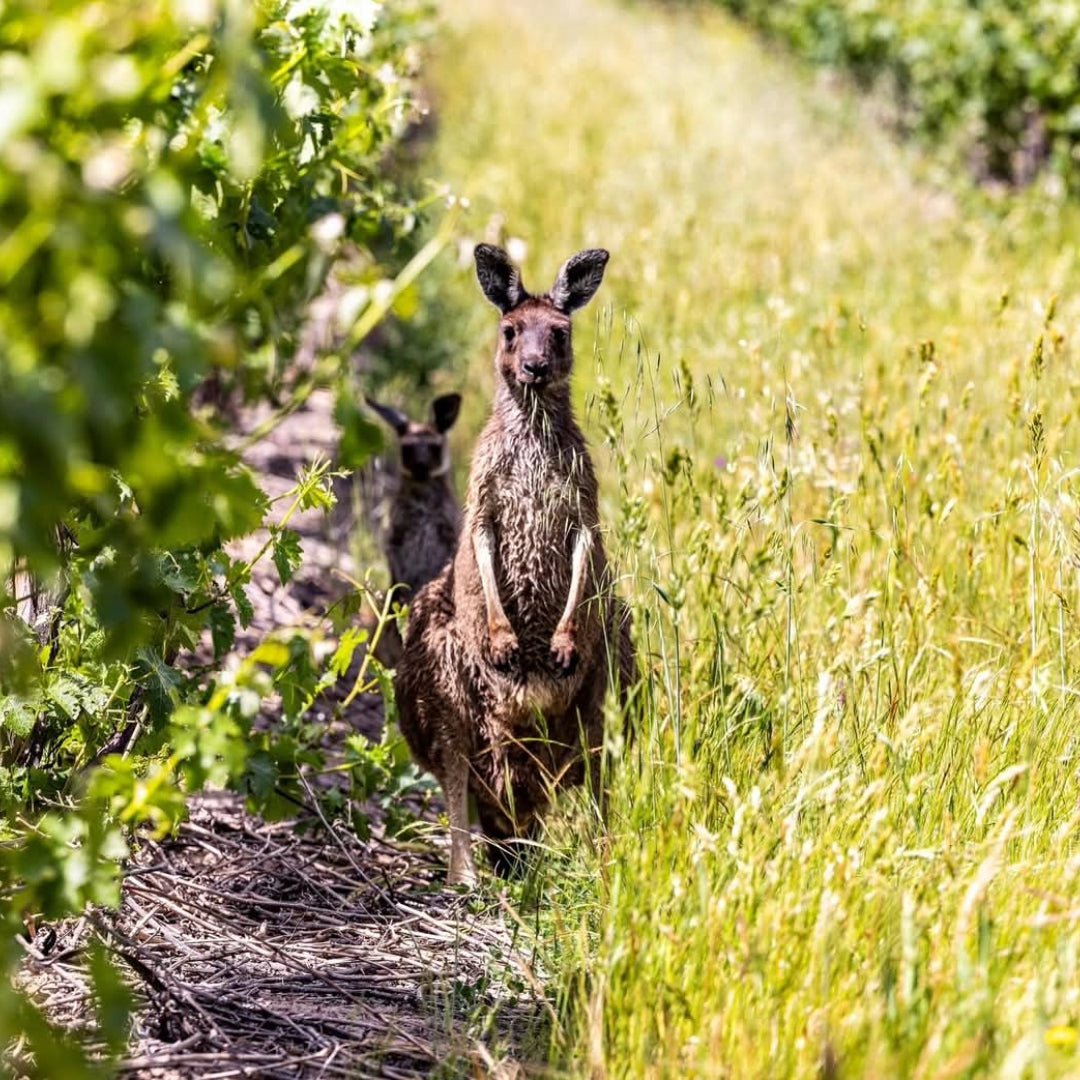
[577,281]
[444,411]
[394,417]
[499,277]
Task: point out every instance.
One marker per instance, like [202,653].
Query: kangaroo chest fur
[538,511]
[536,489]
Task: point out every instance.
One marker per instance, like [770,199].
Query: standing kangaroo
[509,652]
[425,519]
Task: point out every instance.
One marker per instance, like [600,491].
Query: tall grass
[831,401]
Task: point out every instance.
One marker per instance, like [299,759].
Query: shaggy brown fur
[510,650]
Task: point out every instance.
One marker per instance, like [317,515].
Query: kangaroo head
[425,452]
[535,348]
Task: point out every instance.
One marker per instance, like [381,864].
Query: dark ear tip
[444,411]
[594,257]
[394,417]
[489,252]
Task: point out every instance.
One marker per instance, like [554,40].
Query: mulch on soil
[293,949]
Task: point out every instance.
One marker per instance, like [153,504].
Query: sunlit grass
[836,404]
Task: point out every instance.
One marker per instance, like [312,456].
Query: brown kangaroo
[425,518]
[510,650]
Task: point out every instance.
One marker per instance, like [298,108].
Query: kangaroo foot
[462,874]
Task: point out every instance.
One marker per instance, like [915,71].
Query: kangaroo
[425,518]
[510,650]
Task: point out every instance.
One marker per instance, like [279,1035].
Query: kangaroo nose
[536,368]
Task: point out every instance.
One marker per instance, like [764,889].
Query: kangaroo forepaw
[503,647]
[564,653]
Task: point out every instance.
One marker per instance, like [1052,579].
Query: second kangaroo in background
[425,516]
[509,652]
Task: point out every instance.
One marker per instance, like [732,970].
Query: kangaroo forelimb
[563,646]
[502,639]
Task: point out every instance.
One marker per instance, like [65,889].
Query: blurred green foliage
[177,180]
[1001,76]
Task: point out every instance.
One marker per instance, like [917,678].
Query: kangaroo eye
[558,335]
[508,335]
